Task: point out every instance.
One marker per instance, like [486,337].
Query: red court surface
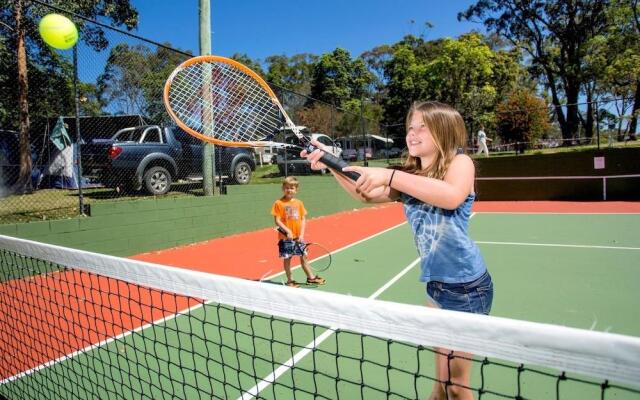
[251,255]
[248,255]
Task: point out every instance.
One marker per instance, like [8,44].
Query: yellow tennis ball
[58,31]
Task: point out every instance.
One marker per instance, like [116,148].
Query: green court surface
[576,270]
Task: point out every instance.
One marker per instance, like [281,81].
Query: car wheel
[157,180]
[242,173]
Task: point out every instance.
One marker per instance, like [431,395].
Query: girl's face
[419,139]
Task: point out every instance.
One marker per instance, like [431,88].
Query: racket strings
[219,100]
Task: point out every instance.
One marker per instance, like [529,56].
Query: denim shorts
[290,248]
[472,297]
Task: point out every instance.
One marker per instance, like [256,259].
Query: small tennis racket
[223,102]
[318,257]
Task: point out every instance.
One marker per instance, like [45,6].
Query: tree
[336,78]
[122,80]
[465,73]
[554,34]
[522,118]
[293,73]
[622,49]
[320,117]
[27,48]
[253,65]
[133,79]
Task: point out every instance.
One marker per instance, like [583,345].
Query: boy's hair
[290,181]
[449,136]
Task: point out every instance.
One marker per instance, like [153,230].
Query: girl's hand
[315,156]
[370,178]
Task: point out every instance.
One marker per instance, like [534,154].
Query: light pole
[364,136]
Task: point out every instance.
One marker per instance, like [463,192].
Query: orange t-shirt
[291,213]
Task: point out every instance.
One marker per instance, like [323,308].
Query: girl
[436,186]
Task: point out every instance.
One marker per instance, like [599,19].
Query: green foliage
[465,73]
[49,72]
[556,35]
[336,78]
[244,59]
[134,79]
[522,117]
[293,73]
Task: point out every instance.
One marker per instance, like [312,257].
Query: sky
[260,28]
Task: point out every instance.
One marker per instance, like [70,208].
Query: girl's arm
[377,195]
[448,193]
[382,194]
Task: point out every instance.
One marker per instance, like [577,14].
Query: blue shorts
[290,248]
[472,297]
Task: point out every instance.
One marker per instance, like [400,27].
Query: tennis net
[80,325]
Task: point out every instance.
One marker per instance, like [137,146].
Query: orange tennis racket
[223,102]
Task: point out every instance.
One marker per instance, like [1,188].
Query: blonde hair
[290,181]
[448,132]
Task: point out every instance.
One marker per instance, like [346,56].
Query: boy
[289,215]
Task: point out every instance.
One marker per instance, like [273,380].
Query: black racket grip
[336,163]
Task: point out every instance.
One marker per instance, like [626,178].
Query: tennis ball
[58,31]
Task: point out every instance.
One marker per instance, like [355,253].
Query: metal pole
[78,134]
[386,143]
[595,103]
[364,136]
[208,153]
[284,143]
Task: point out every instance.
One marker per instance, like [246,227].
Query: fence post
[78,134]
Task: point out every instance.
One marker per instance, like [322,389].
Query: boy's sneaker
[316,281]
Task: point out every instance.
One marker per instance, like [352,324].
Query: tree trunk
[588,123]
[633,124]
[23,185]
[572,111]
[558,108]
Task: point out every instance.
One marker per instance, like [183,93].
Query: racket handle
[336,163]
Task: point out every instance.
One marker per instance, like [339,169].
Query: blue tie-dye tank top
[448,254]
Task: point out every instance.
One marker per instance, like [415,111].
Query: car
[153,157]
[288,153]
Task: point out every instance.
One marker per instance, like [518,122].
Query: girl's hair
[449,136]
[290,181]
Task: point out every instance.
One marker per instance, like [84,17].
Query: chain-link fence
[98,129]
[120,144]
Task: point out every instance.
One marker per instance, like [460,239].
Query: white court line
[579,246]
[338,250]
[156,322]
[97,345]
[271,378]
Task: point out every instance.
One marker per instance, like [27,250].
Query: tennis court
[569,264]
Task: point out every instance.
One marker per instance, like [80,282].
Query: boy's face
[289,191]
